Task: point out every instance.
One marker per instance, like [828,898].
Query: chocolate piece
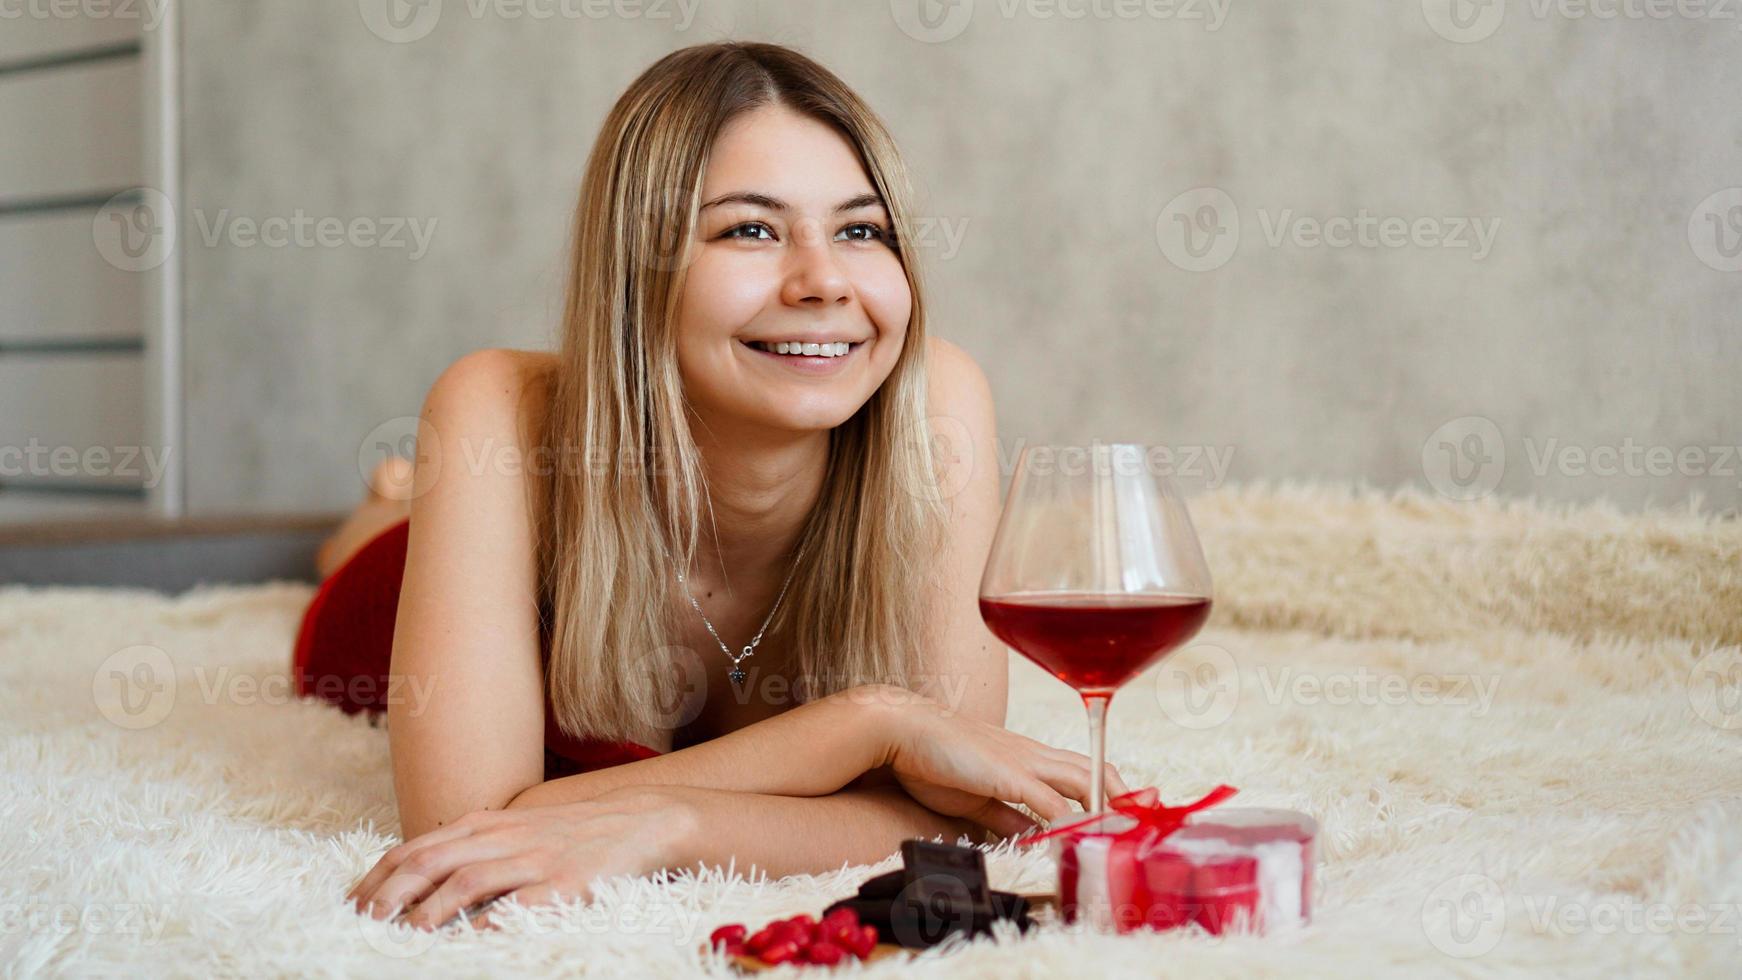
[940,891]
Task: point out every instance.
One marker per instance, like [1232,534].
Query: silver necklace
[737,674]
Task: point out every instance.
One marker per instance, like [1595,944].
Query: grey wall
[1603,313]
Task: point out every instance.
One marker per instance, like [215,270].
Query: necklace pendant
[737,675]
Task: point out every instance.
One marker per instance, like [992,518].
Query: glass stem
[1097,705]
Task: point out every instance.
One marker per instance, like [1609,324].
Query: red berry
[824,953]
[789,932]
[736,949]
[865,941]
[727,935]
[764,938]
[841,916]
[779,953]
[841,934]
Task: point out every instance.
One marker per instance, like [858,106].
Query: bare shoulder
[485,408]
[964,428]
[955,385]
[494,391]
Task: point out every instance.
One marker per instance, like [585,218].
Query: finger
[1003,819]
[1040,797]
[1115,783]
[390,861]
[1067,778]
[468,886]
[532,896]
[426,869]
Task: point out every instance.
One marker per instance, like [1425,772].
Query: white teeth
[837,349]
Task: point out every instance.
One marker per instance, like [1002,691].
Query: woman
[692,589]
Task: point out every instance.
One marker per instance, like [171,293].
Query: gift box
[1147,866]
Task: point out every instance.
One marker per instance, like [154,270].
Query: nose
[814,276]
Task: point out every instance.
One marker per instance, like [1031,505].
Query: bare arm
[810,750]
[783,835]
[467,630]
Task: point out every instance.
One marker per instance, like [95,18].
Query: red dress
[345,645]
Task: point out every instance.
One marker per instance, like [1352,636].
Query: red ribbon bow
[1144,806]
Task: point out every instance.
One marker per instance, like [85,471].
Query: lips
[810,364]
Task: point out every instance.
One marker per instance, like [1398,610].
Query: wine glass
[1095,573]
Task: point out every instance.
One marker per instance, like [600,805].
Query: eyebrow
[759,200]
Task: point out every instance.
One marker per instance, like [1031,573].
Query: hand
[530,854]
[963,767]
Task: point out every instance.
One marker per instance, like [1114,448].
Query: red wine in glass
[1095,573]
[1095,642]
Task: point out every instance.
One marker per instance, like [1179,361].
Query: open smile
[806,358]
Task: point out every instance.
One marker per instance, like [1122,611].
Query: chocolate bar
[939,891]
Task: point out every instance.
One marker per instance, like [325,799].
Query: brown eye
[749,230]
[863,231]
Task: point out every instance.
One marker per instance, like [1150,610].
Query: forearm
[783,835]
[811,751]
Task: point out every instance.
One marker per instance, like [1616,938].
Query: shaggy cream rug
[1520,727]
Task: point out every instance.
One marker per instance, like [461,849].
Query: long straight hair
[610,527]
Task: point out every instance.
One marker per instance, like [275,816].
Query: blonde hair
[609,528]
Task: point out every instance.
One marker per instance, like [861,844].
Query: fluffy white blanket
[1520,727]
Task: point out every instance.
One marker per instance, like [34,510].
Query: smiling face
[792,246]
